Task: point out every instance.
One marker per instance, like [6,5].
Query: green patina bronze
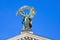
[27,17]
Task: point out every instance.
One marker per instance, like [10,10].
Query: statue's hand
[32,12]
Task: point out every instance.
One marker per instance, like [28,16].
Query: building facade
[28,35]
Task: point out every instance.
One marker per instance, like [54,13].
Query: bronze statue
[27,18]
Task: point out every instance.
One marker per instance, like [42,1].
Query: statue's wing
[32,12]
[21,12]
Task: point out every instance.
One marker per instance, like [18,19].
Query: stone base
[26,31]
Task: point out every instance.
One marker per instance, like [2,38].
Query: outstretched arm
[32,12]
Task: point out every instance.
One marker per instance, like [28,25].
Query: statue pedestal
[26,31]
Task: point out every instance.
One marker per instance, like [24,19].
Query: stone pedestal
[27,31]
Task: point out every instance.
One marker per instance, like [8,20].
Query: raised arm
[32,13]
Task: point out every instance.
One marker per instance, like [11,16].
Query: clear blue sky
[45,23]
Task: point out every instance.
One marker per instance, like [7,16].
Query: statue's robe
[27,22]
